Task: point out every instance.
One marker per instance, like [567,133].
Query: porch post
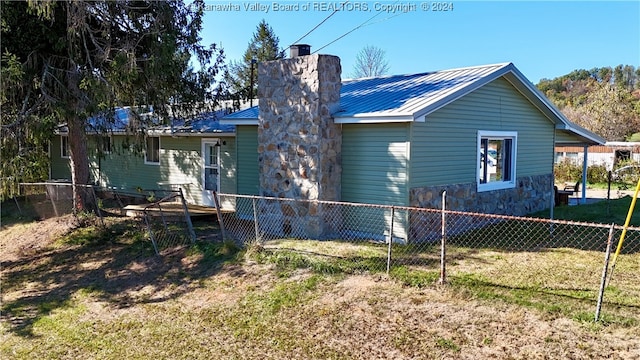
[585,153]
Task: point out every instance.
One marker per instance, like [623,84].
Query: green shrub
[567,170]
[597,174]
[634,137]
[628,175]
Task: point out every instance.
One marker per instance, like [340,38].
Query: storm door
[210,169]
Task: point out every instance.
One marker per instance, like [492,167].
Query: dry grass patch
[112,298]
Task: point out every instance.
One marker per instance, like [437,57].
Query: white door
[210,170]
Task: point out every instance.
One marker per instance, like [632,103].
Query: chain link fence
[54,199]
[163,214]
[168,222]
[552,257]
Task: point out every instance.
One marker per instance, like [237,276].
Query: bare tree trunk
[79,161]
[78,156]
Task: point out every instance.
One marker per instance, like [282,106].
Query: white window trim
[62,147]
[145,150]
[497,135]
[203,144]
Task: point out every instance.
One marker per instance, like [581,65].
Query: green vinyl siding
[180,167]
[124,168]
[374,171]
[60,167]
[567,138]
[247,154]
[228,166]
[444,149]
[374,163]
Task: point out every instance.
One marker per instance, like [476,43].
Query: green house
[198,157]
[484,136]
[479,138]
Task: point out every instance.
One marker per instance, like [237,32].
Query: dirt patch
[20,240]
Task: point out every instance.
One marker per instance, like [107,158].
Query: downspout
[584,174]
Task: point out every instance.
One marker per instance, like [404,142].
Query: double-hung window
[496,160]
[152,151]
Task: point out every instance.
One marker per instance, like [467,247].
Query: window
[211,162]
[64,146]
[621,156]
[571,157]
[497,160]
[152,153]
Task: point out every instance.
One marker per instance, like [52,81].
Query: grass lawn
[95,293]
[602,212]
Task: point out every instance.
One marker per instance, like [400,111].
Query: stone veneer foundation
[531,194]
[299,144]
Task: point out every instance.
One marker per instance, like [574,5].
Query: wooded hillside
[604,100]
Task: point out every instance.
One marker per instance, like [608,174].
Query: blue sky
[544,39]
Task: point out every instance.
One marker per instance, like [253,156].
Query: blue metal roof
[404,98]
[118,121]
[246,114]
[398,97]
[204,123]
[407,96]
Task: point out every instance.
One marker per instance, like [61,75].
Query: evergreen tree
[264,46]
[67,62]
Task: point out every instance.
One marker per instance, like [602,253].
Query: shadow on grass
[16,211]
[570,302]
[533,236]
[116,265]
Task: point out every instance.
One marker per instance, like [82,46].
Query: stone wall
[299,145]
[531,194]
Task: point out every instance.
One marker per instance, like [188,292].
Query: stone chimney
[299,50]
[299,145]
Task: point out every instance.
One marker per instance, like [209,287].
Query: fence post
[603,282]
[443,273]
[95,200]
[219,214]
[53,203]
[164,221]
[17,204]
[256,226]
[187,217]
[390,240]
[150,230]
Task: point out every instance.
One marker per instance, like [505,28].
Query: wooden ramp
[171,209]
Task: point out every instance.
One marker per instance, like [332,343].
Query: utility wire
[322,22]
[358,27]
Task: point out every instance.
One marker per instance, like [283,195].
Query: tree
[264,46]
[370,61]
[68,62]
[604,100]
[608,112]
